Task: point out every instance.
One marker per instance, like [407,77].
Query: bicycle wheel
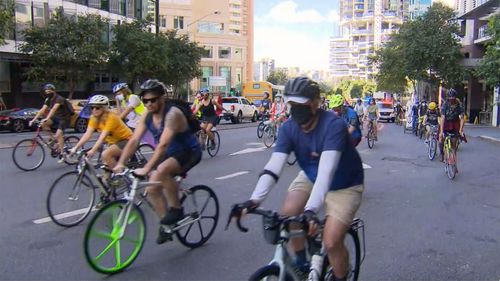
[268,136]
[432,148]
[351,242]
[28,154]
[371,138]
[143,153]
[213,151]
[269,272]
[450,166]
[260,130]
[70,199]
[291,159]
[200,204]
[111,244]
[70,142]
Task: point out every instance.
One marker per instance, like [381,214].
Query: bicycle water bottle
[316,265]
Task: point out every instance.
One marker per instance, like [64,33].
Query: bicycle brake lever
[235,213]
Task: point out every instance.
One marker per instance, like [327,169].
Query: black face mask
[301,113]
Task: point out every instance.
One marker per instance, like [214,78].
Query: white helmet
[99,100]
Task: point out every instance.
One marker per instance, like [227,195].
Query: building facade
[263,68]
[224,28]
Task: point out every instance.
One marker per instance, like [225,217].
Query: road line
[490,138]
[366,166]
[233,175]
[62,216]
[254,143]
[248,150]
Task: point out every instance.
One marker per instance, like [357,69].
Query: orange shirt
[111,123]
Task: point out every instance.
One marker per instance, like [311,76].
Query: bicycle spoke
[102,234]
[118,257]
[110,245]
[201,229]
[187,231]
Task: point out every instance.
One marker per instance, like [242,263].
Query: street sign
[217,81]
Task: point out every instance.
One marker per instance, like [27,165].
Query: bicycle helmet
[152,85]
[49,86]
[99,100]
[336,101]
[119,87]
[432,106]
[204,91]
[371,100]
[451,93]
[301,90]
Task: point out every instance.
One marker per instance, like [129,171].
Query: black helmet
[48,86]
[301,90]
[451,93]
[152,85]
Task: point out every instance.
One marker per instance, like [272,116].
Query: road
[419,224]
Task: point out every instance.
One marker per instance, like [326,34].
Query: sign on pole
[217,81]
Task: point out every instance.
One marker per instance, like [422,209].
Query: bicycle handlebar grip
[236,212]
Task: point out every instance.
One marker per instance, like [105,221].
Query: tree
[489,69]
[6,20]
[278,77]
[68,48]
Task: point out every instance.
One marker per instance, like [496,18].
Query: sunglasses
[151,100]
[95,107]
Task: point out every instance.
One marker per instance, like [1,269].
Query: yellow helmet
[432,105]
[336,101]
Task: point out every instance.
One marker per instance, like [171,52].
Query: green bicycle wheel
[110,244]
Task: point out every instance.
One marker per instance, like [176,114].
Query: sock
[300,257]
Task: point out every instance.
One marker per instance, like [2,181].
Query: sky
[294,32]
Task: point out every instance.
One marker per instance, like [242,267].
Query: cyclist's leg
[340,208]
[47,127]
[427,132]
[112,153]
[208,130]
[375,127]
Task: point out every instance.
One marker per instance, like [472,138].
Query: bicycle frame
[281,253]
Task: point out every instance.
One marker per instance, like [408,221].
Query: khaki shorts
[341,204]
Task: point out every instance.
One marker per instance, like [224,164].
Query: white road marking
[62,216]
[248,150]
[254,143]
[366,166]
[233,175]
[490,138]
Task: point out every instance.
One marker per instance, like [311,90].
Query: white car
[237,109]
[386,111]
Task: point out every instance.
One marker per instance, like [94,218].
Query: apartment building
[224,28]
[263,68]
[13,64]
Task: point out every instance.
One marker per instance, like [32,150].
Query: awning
[484,9]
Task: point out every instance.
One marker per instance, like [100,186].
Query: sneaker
[301,270]
[163,236]
[173,216]
[62,158]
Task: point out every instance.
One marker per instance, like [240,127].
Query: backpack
[193,123]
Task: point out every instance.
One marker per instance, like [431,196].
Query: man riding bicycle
[129,105]
[58,116]
[398,110]
[360,109]
[452,120]
[372,114]
[265,105]
[431,118]
[177,151]
[349,116]
[208,106]
[331,173]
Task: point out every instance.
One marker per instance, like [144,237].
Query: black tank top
[207,110]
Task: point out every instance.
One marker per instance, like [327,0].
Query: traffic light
[232,92]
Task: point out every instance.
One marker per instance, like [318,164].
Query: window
[163,21]
[224,52]
[208,53]
[179,22]
[206,71]
[238,53]
[230,100]
[245,101]
[210,27]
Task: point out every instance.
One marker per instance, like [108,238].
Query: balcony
[482,35]
[390,14]
[470,62]
[361,31]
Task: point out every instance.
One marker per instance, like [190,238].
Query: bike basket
[271,228]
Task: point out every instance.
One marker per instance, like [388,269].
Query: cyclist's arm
[85,138]
[328,164]
[40,112]
[125,112]
[198,106]
[425,119]
[134,141]
[269,176]
[53,110]
[133,102]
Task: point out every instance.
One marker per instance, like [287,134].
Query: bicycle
[432,142]
[206,144]
[421,127]
[450,157]
[399,118]
[277,232]
[262,124]
[71,197]
[121,226]
[370,135]
[32,150]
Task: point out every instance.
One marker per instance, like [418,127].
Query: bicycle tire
[141,156]
[371,139]
[113,211]
[70,142]
[432,148]
[195,212]
[353,275]
[213,152]
[53,204]
[268,136]
[450,168]
[267,271]
[260,129]
[28,147]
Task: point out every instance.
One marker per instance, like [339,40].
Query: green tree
[7,20]
[69,47]
[278,77]
[489,69]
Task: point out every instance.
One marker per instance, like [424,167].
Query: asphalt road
[419,224]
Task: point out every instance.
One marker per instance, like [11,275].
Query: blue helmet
[451,93]
[118,87]
[49,86]
[205,91]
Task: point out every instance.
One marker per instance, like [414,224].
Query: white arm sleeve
[134,101]
[328,164]
[266,182]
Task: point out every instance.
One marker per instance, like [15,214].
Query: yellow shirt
[111,123]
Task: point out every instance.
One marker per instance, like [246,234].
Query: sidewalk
[485,132]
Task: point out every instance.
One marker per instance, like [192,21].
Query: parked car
[238,108]
[386,110]
[17,120]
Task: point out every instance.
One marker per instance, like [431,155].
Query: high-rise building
[364,25]
[224,28]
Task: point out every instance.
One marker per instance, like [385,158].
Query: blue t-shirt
[351,118]
[329,134]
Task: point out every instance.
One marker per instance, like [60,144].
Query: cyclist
[360,109]
[349,116]
[372,114]
[398,110]
[208,107]
[58,116]
[331,172]
[431,118]
[112,129]
[177,151]
[265,105]
[278,112]
[452,120]
[196,101]
[129,105]
[414,116]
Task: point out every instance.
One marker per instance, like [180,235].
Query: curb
[490,139]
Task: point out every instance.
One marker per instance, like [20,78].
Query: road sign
[217,81]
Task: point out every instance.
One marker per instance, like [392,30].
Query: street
[419,225]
